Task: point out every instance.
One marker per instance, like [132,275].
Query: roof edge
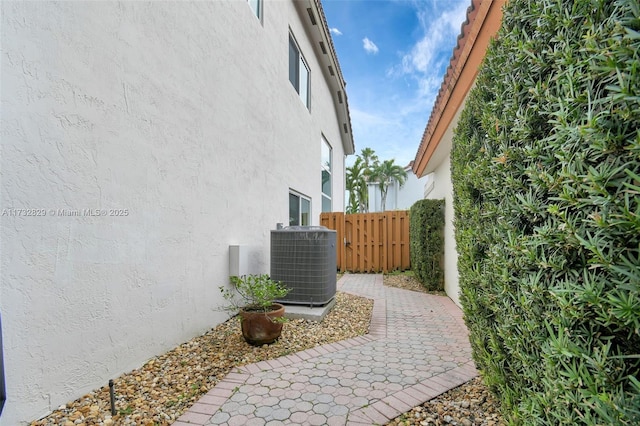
[482,23]
[340,97]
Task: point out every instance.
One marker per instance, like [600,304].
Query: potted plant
[253,298]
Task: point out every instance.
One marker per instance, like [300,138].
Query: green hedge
[546,173]
[426,227]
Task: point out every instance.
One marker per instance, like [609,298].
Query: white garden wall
[443,189]
[439,186]
[397,198]
[146,137]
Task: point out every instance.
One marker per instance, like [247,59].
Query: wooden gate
[370,242]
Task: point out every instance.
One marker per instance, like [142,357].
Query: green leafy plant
[385,173]
[426,227]
[545,165]
[126,411]
[255,293]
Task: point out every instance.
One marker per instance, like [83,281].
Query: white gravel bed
[158,392]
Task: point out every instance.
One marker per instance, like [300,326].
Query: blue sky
[393,55]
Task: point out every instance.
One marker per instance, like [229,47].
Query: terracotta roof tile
[476,14]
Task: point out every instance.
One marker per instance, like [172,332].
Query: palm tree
[369,157]
[384,174]
[358,177]
[370,161]
[357,187]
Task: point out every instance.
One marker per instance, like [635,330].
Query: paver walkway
[416,349]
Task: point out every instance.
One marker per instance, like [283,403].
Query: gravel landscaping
[162,389]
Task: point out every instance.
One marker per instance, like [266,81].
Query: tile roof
[471,30]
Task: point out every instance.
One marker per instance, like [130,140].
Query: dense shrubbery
[546,172]
[426,225]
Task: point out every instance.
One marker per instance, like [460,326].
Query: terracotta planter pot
[259,328]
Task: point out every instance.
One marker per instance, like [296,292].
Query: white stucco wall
[397,198]
[438,186]
[180,117]
[443,189]
[411,191]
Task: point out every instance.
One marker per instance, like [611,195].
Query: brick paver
[417,348]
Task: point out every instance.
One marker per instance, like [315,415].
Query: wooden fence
[370,242]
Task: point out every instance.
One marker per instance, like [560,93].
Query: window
[256,6]
[325,166]
[299,210]
[298,72]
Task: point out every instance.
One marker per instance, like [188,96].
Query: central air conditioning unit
[303,258]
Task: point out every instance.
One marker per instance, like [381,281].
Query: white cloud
[391,132]
[371,119]
[369,46]
[394,128]
[335,31]
[424,53]
[433,50]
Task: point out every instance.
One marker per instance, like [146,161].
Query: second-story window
[326,176]
[298,71]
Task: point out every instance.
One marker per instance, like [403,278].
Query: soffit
[313,17]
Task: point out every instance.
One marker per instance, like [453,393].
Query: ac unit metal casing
[303,258]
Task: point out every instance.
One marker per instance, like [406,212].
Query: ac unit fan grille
[304,259]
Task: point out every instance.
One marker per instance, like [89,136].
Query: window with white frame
[298,71]
[299,209]
[256,6]
[326,165]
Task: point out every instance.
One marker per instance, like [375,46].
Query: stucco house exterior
[398,198]
[432,160]
[140,140]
